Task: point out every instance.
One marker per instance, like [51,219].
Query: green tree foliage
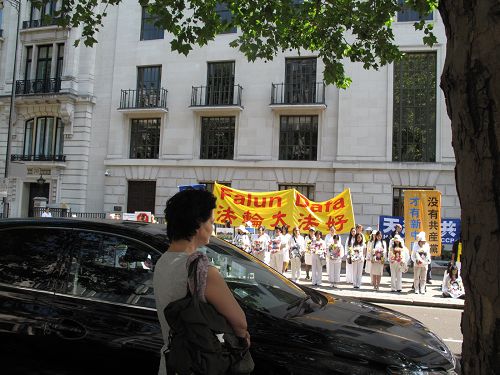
[337,30]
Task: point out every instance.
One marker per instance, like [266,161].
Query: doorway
[37,190]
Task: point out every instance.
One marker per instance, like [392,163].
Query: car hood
[358,330]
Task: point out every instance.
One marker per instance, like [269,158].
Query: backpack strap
[197,265]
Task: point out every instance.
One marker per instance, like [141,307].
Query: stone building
[132,121]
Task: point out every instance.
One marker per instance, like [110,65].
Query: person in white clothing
[318,254]
[310,239]
[47,212]
[452,283]
[335,252]
[421,257]
[328,240]
[284,247]
[369,248]
[376,256]
[260,246]
[349,243]
[276,253]
[242,240]
[297,246]
[398,258]
[357,258]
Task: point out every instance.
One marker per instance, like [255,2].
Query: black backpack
[201,341]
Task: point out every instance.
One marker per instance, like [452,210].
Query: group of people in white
[367,252]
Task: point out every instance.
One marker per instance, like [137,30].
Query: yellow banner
[284,207]
[422,212]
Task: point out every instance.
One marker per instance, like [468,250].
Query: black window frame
[35,126]
[407,14]
[308,190]
[289,147]
[415,107]
[226,17]
[28,62]
[44,73]
[150,127]
[60,60]
[220,82]
[300,80]
[149,31]
[217,146]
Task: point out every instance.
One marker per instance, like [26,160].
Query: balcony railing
[46,21]
[20,157]
[141,99]
[38,86]
[208,96]
[292,93]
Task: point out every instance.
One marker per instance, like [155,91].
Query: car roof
[145,231]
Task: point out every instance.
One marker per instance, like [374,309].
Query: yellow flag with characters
[283,207]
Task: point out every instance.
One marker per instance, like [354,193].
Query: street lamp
[16,4]
[40,180]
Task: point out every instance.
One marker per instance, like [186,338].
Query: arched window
[43,139]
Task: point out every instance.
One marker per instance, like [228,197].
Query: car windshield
[252,282]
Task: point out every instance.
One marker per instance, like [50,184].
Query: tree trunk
[471,84]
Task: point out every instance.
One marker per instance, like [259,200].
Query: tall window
[60,60]
[43,63]
[45,15]
[217,138]
[306,190]
[298,138]
[43,137]
[28,63]
[220,83]
[414,108]
[300,80]
[149,77]
[407,14]
[226,17]
[148,29]
[1,20]
[145,138]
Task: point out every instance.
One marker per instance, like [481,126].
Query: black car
[76,297]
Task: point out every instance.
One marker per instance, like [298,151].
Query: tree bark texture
[471,84]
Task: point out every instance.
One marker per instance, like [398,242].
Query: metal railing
[208,96]
[20,157]
[38,86]
[292,93]
[65,212]
[45,21]
[140,99]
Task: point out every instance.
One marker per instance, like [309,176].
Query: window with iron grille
[226,17]
[210,184]
[43,137]
[306,190]
[398,205]
[217,138]
[149,30]
[220,83]
[298,138]
[300,80]
[414,108]
[407,14]
[145,138]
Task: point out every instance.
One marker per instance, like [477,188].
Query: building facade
[131,120]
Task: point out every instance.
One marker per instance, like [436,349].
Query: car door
[106,316]
[31,265]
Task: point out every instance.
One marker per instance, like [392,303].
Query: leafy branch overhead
[335,30]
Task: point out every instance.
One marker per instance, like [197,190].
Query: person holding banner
[349,243]
[357,258]
[334,259]
[421,257]
[275,250]
[398,259]
[310,240]
[318,254]
[376,257]
[297,246]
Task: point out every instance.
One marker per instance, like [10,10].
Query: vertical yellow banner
[422,212]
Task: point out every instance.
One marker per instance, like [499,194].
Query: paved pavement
[432,297]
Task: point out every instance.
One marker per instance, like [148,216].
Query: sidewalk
[432,297]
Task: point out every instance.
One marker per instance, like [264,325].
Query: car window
[112,268]
[33,257]
[252,283]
